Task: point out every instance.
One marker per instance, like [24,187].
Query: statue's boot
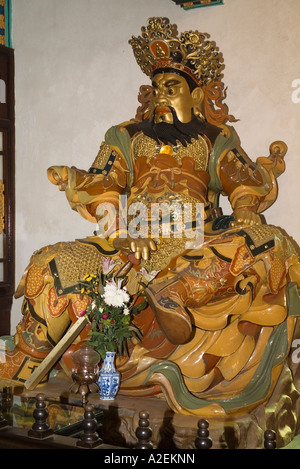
[168,301]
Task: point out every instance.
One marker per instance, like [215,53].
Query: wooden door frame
[7,124]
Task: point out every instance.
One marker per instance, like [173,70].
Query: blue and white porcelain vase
[109,378]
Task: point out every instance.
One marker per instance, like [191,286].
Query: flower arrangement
[111,309]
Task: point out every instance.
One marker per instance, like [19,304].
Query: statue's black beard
[172,133]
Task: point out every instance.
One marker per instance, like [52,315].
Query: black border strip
[255,251]
[106,170]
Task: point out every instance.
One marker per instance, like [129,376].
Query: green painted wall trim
[8,21]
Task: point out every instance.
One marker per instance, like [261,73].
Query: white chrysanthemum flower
[114,295]
[126,311]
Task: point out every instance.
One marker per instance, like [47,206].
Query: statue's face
[171,90]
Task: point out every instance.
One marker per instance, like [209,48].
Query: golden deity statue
[222,313]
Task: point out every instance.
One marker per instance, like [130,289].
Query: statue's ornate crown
[160,47]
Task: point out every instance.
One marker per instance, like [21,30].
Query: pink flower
[108,265]
[82,313]
[104,316]
[148,276]
[113,322]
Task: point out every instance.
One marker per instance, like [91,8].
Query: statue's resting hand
[141,247]
[243,217]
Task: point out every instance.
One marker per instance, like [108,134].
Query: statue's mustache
[159,109]
[162,109]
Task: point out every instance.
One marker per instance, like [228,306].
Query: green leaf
[102,352]
[124,282]
[140,307]
[100,335]
[111,347]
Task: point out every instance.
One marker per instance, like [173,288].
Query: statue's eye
[171,91]
[154,92]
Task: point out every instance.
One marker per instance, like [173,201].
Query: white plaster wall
[76,76]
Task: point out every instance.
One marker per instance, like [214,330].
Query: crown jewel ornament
[191,52]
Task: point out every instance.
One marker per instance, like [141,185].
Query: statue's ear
[197,96]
